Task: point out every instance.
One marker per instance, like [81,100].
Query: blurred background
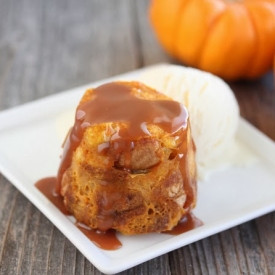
[50,46]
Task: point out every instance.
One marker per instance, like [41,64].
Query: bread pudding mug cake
[129,160]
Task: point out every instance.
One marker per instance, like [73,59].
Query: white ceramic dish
[30,140]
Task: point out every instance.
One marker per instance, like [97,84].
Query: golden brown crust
[149,198]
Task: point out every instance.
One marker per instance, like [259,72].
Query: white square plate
[30,146]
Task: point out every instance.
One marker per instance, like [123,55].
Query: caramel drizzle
[114,102]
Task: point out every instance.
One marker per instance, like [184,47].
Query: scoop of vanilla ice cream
[212,106]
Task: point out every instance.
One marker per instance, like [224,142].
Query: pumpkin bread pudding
[129,160]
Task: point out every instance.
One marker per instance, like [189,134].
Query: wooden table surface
[48,46]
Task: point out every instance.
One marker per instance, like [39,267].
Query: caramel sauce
[187,223]
[106,240]
[47,187]
[125,107]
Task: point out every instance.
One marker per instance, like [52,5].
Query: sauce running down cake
[129,160]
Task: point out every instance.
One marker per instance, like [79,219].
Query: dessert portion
[129,160]
[213,110]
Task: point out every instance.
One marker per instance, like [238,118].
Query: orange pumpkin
[232,39]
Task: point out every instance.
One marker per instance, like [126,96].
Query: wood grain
[47,46]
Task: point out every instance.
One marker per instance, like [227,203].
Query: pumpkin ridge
[206,37]
[177,29]
[250,67]
[265,42]
[191,35]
